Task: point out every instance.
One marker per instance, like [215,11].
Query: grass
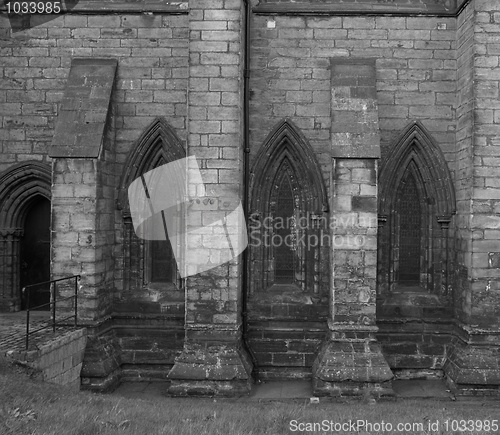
[28,406]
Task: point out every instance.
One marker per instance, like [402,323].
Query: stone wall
[151,81]
[60,361]
[471,366]
[152,54]
[485,223]
[350,85]
[293,61]
[213,360]
[415,72]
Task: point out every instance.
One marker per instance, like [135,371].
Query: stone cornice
[441,8]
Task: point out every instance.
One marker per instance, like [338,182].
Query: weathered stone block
[221,369]
[470,366]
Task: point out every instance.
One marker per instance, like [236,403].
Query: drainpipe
[246,172]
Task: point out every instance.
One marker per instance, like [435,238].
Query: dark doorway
[35,253]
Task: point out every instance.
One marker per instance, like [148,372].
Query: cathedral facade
[361,139]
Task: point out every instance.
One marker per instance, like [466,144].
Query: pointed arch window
[287,195]
[284,209]
[149,264]
[409,230]
[159,266]
[416,203]
[161,261]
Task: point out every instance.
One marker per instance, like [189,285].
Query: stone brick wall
[151,81]
[152,53]
[213,361]
[214,125]
[75,245]
[476,166]
[27,97]
[292,58]
[355,256]
[187,68]
[415,64]
[485,221]
[60,361]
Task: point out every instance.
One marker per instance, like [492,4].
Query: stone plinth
[350,363]
[213,363]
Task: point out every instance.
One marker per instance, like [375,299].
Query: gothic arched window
[288,253]
[161,261]
[416,202]
[283,209]
[409,231]
[287,196]
[149,266]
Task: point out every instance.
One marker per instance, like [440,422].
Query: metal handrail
[52,304]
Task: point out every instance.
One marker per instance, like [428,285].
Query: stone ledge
[443,8]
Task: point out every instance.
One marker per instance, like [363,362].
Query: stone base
[57,361]
[211,370]
[473,369]
[415,345]
[473,390]
[351,363]
[101,364]
[106,384]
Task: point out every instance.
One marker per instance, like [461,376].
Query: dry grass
[28,406]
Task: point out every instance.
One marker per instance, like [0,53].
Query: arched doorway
[24,206]
[35,252]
